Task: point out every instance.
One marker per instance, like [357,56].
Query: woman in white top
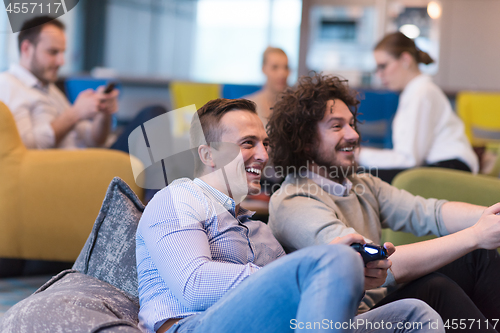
[425,130]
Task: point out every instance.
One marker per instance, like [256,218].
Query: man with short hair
[205,266]
[314,137]
[44,117]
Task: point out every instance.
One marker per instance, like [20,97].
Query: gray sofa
[100,293]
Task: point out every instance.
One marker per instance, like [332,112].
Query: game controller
[370,252]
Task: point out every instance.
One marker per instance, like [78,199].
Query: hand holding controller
[370,252]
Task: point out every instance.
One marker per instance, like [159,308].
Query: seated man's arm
[86,107]
[94,132]
[63,124]
[177,242]
[101,123]
[306,220]
[300,221]
[402,211]
[35,131]
[101,127]
[33,120]
[460,215]
[89,106]
[415,260]
[90,117]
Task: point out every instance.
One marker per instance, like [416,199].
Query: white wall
[469,37]
[470,45]
[150,38]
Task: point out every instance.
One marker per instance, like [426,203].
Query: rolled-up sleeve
[42,131]
[84,131]
[403,211]
[33,120]
[302,220]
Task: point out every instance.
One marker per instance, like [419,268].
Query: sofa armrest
[60,196]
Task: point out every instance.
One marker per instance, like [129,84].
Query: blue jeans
[316,289]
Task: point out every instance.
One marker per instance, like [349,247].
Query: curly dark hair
[293,123]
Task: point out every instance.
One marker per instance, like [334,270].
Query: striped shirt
[192,248]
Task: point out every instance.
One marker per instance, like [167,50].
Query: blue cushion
[232,91]
[376,111]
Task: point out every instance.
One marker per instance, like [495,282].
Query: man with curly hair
[204,265]
[314,138]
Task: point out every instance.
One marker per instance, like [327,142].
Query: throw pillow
[109,253]
[73,302]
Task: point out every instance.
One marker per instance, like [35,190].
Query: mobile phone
[109,87]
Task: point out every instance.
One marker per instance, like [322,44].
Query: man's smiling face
[337,140]
[245,129]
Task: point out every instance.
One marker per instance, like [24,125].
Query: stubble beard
[336,170]
[41,72]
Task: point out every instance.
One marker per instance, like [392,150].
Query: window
[231,36]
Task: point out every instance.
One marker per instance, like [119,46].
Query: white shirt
[425,130]
[35,106]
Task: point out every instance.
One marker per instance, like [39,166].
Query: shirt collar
[415,81]
[227,202]
[329,186]
[26,77]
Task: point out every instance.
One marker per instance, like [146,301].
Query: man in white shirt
[44,117]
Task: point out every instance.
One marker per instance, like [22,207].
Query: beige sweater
[303,214]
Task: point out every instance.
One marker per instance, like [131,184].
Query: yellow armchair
[49,199]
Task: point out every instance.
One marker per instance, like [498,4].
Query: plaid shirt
[192,248]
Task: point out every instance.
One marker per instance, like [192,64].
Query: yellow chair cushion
[186,93]
[49,199]
[480,113]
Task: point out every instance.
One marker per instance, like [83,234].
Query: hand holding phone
[109,88]
[108,100]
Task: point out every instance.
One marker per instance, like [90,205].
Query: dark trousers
[466,289]
[388,175]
